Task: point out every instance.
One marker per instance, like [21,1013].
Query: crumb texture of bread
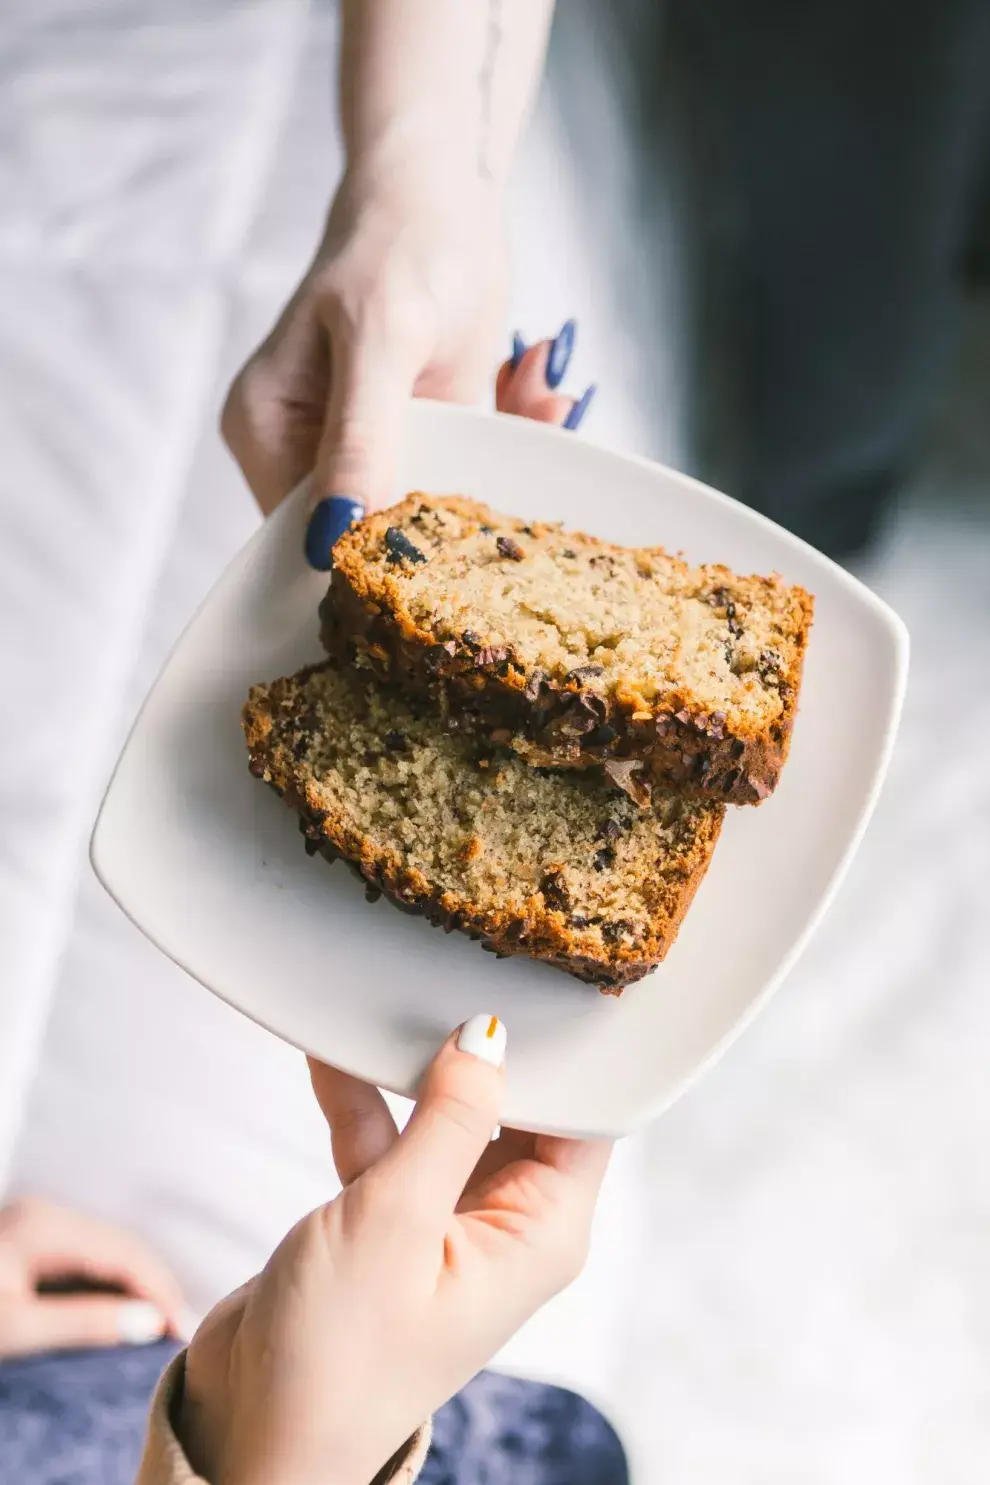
[571,650]
[563,867]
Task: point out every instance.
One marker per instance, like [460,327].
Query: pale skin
[380,1305]
[42,1243]
[373,1311]
[406,293]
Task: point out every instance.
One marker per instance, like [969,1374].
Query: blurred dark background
[822,172]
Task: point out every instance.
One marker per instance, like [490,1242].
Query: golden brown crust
[539,933]
[552,719]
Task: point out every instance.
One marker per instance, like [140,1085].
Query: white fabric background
[790,1280]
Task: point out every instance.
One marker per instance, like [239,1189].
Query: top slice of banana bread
[571,650]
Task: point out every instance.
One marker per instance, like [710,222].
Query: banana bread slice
[571,650]
[560,867]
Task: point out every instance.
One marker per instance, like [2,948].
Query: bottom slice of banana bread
[562,867]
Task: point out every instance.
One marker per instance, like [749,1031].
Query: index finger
[361,1128]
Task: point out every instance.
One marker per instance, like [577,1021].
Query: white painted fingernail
[484,1037]
[138,1322]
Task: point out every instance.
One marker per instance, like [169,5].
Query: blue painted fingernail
[579,409]
[559,354]
[329,520]
[519,349]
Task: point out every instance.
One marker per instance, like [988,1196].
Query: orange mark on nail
[492,1028]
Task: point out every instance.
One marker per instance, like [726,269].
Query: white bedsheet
[790,1278]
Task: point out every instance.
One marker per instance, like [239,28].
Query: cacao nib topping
[622,773]
[568,553]
[722,598]
[604,858]
[578,920]
[555,893]
[768,667]
[395,742]
[526,530]
[491,656]
[613,932]
[760,787]
[400,549]
[583,673]
[724,601]
[610,829]
[487,530]
[472,638]
[601,736]
[572,720]
[593,706]
[537,681]
[509,549]
[436,654]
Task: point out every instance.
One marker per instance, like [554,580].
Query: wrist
[420,160]
[391,200]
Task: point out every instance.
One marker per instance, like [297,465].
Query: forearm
[444,80]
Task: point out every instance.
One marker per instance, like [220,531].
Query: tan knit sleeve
[164,1461]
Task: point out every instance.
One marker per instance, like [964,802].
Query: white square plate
[210,864]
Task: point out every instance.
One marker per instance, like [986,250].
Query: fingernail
[138,1323]
[484,1037]
[329,520]
[559,354]
[579,409]
[519,349]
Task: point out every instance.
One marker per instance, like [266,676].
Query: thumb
[75,1321]
[456,1110]
[371,381]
